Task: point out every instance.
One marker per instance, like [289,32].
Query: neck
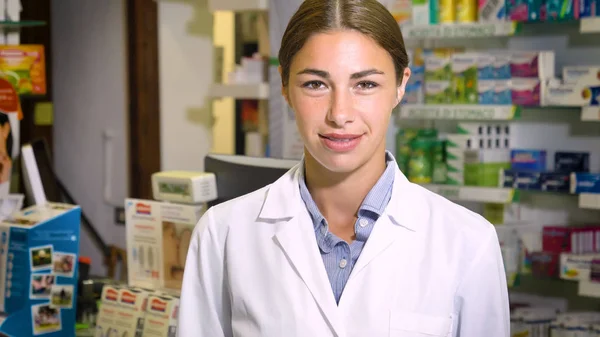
[326,187]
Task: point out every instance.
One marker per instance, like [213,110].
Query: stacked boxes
[580,87]
[454,77]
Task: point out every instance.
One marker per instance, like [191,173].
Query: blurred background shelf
[240,91]
[238,5]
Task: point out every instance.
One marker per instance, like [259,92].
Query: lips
[340,142]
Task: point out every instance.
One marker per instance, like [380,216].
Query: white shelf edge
[240,91]
[458,30]
[458,111]
[589,25]
[590,114]
[473,193]
[589,201]
[238,5]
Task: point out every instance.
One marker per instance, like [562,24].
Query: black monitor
[238,175]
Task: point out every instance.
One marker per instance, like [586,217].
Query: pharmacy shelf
[21,24]
[475,194]
[240,91]
[459,30]
[589,201]
[238,5]
[590,114]
[459,112]
[590,25]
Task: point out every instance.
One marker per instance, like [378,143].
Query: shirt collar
[376,200]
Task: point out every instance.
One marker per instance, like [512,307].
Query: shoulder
[456,221]
[219,218]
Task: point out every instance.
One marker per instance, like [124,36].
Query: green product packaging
[440,169]
[403,139]
[438,92]
[464,78]
[420,168]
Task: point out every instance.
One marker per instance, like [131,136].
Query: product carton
[501,66]
[38,262]
[161,316]
[107,312]
[585,182]
[581,75]
[438,92]
[502,92]
[524,10]
[487,93]
[438,65]
[158,237]
[565,94]
[527,91]
[24,66]
[562,10]
[576,267]
[464,78]
[131,311]
[532,64]
[485,66]
[492,10]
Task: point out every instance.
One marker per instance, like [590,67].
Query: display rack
[477,112]
[475,194]
[238,5]
[259,91]
[589,201]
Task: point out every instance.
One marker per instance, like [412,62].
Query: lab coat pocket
[410,324]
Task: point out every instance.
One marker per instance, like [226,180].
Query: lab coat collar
[283,200]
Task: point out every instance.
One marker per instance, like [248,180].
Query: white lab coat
[429,268]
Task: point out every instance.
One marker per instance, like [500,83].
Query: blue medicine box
[585,183]
[39,250]
[528,160]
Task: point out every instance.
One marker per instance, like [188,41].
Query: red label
[128,297]
[111,295]
[158,305]
[143,209]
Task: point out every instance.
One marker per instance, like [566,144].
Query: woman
[343,245]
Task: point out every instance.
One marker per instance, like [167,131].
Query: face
[343,88]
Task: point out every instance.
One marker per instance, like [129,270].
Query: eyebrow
[324,74]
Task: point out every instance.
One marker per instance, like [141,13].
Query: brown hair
[368,17]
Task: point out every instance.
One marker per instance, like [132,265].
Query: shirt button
[363,222]
[343,263]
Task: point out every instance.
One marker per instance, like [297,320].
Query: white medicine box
[158,238]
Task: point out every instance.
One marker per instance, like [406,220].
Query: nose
[340,109]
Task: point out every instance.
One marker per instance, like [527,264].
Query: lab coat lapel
[398,222]
[296,237]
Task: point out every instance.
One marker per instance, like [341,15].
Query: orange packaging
[24,66]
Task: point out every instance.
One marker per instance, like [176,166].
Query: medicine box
[585,183]
[564,94]
[24,66]
[555,182]
[38,271]
[528,160]
[589,8]
[562,10]
[581,75]
[487,91]
[502,92]
[532,64]
[501,66]
[526,91]
[438,64]
[576,267]
[464,78]
[485,66]
[438,92]
[491,10]
[158,237]
[571,162]
[131,311]
[161,316]
[107,312]
[524,10]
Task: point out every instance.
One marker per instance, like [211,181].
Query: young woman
[343,244]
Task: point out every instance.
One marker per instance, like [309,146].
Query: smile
[340,142]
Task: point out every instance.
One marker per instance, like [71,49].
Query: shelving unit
[589,201]
[483,30]
[486,112]
[238,5]
[475,194]
[258,91]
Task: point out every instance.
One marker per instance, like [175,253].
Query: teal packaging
[38,271]
[560,10]
[434,12]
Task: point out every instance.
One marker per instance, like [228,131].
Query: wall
[188,115]
[90,67]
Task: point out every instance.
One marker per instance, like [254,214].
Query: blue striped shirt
[338,256]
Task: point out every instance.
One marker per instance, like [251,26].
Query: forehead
[342,49]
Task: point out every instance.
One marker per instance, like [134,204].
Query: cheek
[375,110]
[310,110]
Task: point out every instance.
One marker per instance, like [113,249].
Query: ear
[402,86]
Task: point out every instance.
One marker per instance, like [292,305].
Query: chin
[339,162]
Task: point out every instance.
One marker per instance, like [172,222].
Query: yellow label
[24,66]
[44,113]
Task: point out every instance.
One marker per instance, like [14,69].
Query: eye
[314,85]
[366,85]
